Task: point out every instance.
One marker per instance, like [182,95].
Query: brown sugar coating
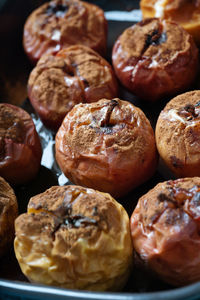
[155,59]
[183,12]
[108,145]
[75,238]
[20,149]
[8,214]
[61,23]
[165,230]
[76,74]
[178,134]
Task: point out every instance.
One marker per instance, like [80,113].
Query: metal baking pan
[14,72]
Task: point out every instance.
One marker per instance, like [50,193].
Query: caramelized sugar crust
[108,145]
[61,23]
[74,237]
[76,74]
[165,230]
[155,59]
[178,134]
[20,149]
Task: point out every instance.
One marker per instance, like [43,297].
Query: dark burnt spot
[191,109]
[169,198]
[68,70]
[155,38]
[114,102]
[64,217]
[163,197]
[176,162]
[188,112]
[85,82]
[57,9]
[70,73]
[76,221]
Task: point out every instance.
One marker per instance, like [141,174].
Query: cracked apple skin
[59,24]
[165,230]
[178,134]
[74,75]
[108,145]
[155,59]
[75,238]
[20,148]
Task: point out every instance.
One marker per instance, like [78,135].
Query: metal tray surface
[14,72]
